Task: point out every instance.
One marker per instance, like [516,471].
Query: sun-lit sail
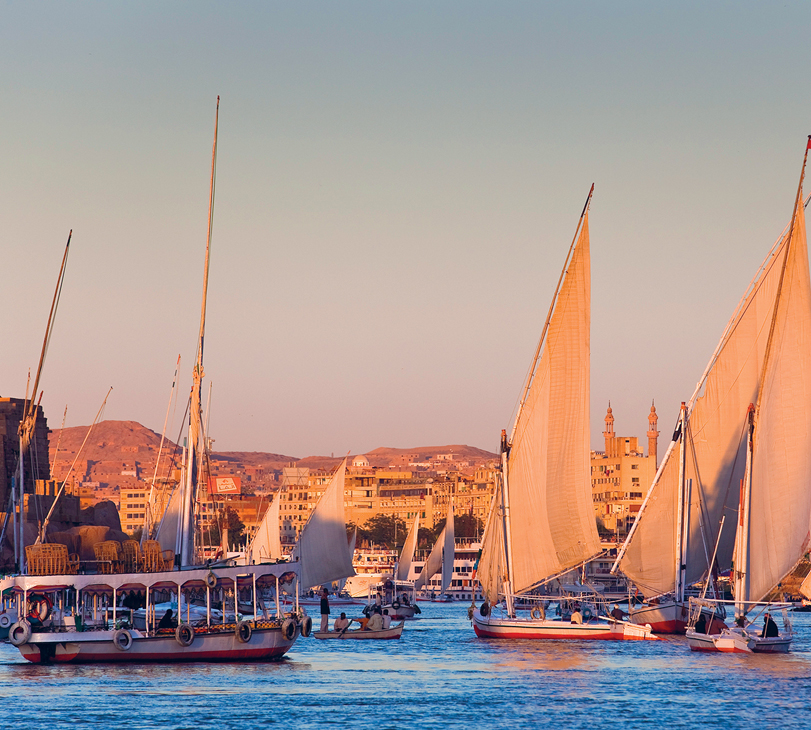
[267,543]
[322,546]
[407,555]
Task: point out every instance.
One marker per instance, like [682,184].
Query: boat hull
[393,632]
[665,618]
[80,648]
[490,627]
[727,642]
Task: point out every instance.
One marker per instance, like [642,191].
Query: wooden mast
[196,447]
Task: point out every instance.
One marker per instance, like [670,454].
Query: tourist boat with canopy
[541,523]
[108,610]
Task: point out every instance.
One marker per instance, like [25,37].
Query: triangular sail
[551,516]
[448,549]
[492,569]
[407,555]
[267,543]
[322,546]
[434,563]
[780,502]
[169,527]
[716,450]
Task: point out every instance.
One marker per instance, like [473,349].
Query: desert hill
[123,450]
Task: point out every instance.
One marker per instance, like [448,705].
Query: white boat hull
[491,627]
[78,647]
[729,641]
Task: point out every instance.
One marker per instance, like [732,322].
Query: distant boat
[541,523]
[393,632]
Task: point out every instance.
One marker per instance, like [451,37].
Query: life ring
[122,640]
[485,609]
[306,626]
[184,634]
[288,629]
[243,632]
[39,607]
[395,604]
[20,633]
[587,614]
[536,613]
[5,621]
[210,579]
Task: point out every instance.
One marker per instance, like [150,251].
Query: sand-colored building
[621,475]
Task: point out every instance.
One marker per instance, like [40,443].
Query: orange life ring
[39,607]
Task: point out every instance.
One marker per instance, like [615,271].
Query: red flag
[808,146]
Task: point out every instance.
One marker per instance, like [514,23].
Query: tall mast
[681,537]
[196,448]
[28,420]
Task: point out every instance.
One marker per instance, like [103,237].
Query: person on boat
[386,619]
[375,623]
[404,599]
[577,617]
[701,625]
[167,622]
[342,623]
[617,613]
[324,610]
[716,626]
[378,600]
[769,627]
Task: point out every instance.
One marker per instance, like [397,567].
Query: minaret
[653,435]
[608,434]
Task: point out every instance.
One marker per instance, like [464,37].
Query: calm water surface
[439,675]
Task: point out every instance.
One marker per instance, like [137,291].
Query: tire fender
[306,626]
[289,629]
[243,632]
[122,640]
[20,633]
[184,634]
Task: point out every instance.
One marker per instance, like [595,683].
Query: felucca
[739,494]
[541,524]
[105,610]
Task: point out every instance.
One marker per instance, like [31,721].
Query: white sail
[407,555]
[169,527]
[780,501]
[716,450]
[448,549]
[322,546]
[492,568]
[551,516]
[267,543]
[433,565]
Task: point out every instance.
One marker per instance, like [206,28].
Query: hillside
[127,446]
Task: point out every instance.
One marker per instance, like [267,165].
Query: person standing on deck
[324,610]
[769,627]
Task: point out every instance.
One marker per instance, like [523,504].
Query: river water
[439,675]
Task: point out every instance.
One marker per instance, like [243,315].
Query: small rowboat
[393,632]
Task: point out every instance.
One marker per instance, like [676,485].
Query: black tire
[184,634]
[395,605]
[289,629]
[122,640]
[243,632]
[306,626]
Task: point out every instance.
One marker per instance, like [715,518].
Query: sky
[397,187]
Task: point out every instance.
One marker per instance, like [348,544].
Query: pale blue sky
[397,187]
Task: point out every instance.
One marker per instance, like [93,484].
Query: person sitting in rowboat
[342,623]
[375,622]
[386,618]
[617,613]
[577,617]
